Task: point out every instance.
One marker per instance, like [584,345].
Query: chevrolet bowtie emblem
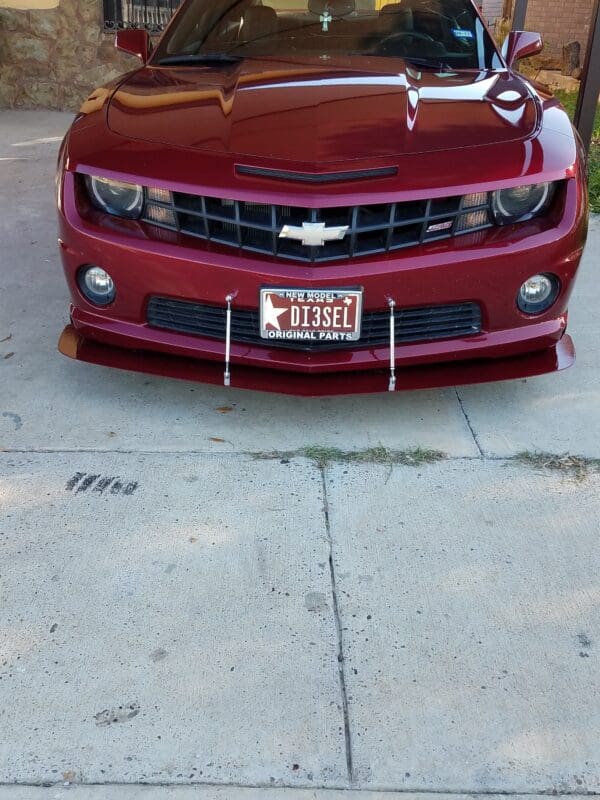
[314,234]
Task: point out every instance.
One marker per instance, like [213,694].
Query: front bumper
[486,268]
[558,357]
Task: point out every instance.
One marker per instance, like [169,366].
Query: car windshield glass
[439,33]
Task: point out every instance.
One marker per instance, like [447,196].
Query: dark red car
[320,197]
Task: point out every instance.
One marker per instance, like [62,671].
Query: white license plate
[311,315]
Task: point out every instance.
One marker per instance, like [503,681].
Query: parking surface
[183,607]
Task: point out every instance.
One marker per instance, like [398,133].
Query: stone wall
[53,58]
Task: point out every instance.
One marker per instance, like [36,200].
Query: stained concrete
[469,604]
[155,627]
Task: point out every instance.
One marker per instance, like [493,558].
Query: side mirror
[521,44]
[134,41]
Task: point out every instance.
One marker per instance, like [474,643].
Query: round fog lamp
[538,293]
[97,285]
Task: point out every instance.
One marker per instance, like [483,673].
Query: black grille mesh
[412,324]
[372,229]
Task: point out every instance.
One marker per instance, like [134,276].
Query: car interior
[415,28]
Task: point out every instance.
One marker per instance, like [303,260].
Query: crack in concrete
[340,634]
[469,425]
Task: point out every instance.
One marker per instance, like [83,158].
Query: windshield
[440,33]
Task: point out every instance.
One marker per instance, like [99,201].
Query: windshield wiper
[427,62]
[199,58]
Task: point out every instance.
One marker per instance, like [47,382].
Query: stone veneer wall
[53,58]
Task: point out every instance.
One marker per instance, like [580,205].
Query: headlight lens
[521,203]
[159,207]
[116,197]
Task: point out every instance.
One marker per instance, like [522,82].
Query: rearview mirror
[134,41]
[521,44]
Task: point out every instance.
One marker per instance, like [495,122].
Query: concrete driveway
[201,596]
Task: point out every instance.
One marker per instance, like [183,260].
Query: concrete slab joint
[340,634]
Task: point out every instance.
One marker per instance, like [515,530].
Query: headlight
[521,203]
[116,197]
[159,208]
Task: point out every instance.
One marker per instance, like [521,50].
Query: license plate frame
[345,306]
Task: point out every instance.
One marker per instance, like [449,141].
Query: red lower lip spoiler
[458,373]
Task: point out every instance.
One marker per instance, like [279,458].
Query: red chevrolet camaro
[322,197]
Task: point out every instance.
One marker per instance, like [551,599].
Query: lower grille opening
[412,324]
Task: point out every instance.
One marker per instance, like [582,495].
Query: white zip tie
[392,386]
[227,376]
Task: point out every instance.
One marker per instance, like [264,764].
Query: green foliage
[569,101]
[594,171]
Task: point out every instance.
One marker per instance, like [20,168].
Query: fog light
[538,293]
[97,285]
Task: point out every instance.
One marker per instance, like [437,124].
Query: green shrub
[569,101]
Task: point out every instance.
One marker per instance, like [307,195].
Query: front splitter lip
[560,356]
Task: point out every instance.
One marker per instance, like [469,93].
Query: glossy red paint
[322,114]
[134,41]
[558,357]
[187,129]
[521,44]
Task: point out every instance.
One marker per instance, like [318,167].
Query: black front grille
[412,324]
[372,229]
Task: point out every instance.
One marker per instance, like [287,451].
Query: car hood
[303,112]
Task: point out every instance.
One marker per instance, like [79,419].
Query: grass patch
[576,467]
[373,455]
[323,456]
[594,170]
[569,101]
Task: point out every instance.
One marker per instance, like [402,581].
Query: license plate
[311,315]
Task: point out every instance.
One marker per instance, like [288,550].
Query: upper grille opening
[372,229]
